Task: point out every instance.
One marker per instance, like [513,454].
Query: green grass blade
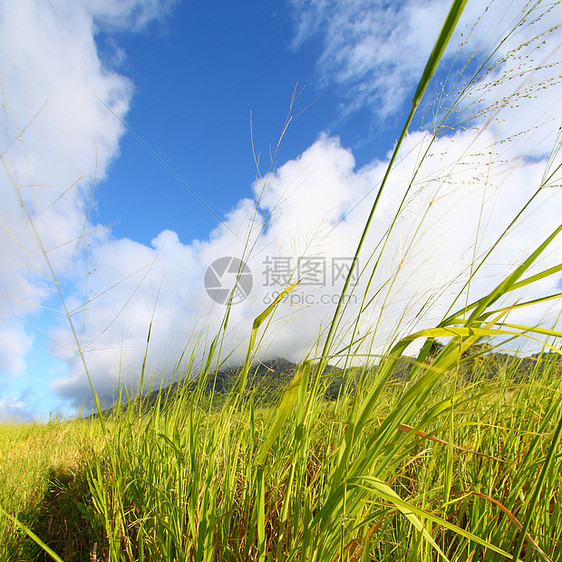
[437,52]
[374,485]
[31,535]
[283,411]
[258,321]
[538,487]
[510,280]
[260,507]
[438,49]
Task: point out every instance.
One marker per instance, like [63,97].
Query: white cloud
[463,196]
[54,132]
[15,409]
[457,207]
[15,345]
[374,54]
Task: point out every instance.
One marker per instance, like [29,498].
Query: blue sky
[198,75]
[197,78]
[150,102]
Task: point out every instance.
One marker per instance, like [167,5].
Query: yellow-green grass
[459,460]
[188,484]
[37,461]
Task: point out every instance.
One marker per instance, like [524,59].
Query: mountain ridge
[268,379]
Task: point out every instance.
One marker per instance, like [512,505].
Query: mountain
[267,380]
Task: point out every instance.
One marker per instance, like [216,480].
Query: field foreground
[446,464]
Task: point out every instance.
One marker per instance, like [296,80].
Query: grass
[188,483]
[457,460]
[41,482]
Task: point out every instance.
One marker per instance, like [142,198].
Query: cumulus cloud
[448,200]
[374,53]
[314,207]
[55,134]
[15,409]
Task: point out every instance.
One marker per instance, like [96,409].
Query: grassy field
[457,458]
[41,476]
[306,480]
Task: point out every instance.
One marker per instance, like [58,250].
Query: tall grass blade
[282,413]
[258,321]
[437,52]
[31,535]
[539,485]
